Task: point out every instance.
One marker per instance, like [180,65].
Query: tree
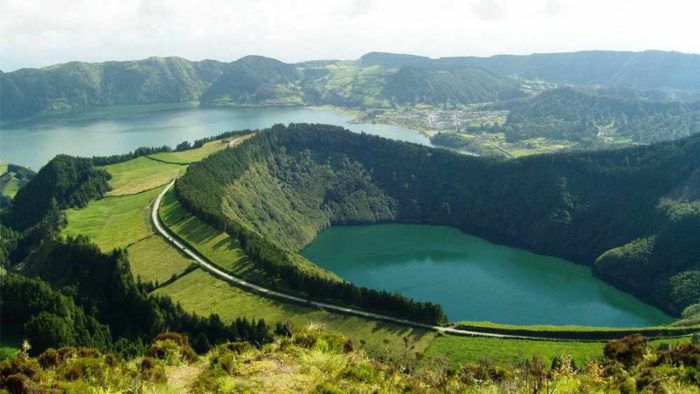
[47,330]
[200,344]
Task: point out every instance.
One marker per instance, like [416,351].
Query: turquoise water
[113,130]
[474,279]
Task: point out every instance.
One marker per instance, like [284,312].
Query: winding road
[211,267]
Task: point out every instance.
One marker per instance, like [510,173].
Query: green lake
[474,279]
[120,129]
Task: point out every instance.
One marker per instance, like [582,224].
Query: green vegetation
[152,259]
[204,294]
[12,178]
[376,80]
[91,291]
[309,360]
[589,118]
[191,155]
[64,182]
[113,222]
[464,350]
[141,174]
[282,186]
[71,85]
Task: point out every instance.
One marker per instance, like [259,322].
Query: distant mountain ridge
[375,80]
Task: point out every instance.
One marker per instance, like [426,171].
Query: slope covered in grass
[154,260]
[140,174]
[113,222]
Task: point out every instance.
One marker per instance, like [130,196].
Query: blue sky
[37,33]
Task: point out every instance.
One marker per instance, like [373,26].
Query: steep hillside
[571,114]
[254,80]
[576,206]
[72,85]
[463,85]
[640,70]
[378,80]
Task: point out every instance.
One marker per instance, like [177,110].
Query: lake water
[111,130]
[474,279]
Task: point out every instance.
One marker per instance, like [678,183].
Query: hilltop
[375,80]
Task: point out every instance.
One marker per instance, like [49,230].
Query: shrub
[151,371]
[82,368]
[629,350]
[19,365]
[50,358]
[306,341]
[687,354]
[238,347]
[16,384]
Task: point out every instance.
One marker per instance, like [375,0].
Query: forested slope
[283,186]
[571,114]
[377,80]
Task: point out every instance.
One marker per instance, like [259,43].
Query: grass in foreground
[140,174]
[154,260]
[316,361]
[113,222]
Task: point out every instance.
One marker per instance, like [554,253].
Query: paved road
[211,267]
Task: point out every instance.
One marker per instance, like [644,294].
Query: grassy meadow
[113,222]
[154,260]
[140,174]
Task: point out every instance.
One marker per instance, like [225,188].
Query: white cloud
[37,33]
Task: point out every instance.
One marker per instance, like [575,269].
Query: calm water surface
[113,130]
[474,279]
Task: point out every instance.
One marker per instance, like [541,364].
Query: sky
[37,33]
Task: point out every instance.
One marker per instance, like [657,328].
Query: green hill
[73,85]
[417,85]
[577,115]
[254,80]
[284,185]
[378,80]
[12,178]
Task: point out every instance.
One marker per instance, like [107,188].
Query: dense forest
[579,116]
[377,80]
[285,184]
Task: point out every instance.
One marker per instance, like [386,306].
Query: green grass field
[192,155]
[214,245]
[461,350]
[154,260]
[140,174]
[113,222]
[202,293]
